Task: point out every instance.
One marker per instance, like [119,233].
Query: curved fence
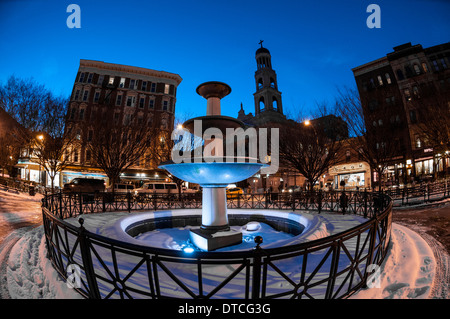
[331,267]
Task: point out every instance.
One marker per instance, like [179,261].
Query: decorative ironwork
[331,267]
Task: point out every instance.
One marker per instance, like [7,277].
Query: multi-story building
[395,96]
[129,93]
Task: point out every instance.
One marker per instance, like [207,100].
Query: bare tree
[52,148]
[369,131]
[309,148]
[115,147]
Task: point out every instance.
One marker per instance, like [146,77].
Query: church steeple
[267,97]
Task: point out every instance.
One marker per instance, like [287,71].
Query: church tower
[267,97]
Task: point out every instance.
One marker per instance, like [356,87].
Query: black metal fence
[332,267]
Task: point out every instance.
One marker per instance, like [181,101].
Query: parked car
[234,192]
[88,185]
[157,188]
[122,188]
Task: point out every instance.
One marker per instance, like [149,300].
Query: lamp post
[41,139]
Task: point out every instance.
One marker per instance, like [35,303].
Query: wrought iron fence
[331,267]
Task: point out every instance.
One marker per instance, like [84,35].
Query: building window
[131,100]
[425,67]
[151,104]
[88,156]
[436,66]
[347,156]
[90,135]
[166,88]
[153,87]
[100,79]
[119,99]
[111,80]
[75,156]
[96,96]
[81,114]
[116,118]
[400,75]
[416,69]
[407,94]
[444,65]
[122,82]
[412,116]
[81,79]
[89,79]
[132,84]
[388,78]
[165,105]
[144,86]
[77,95]
[416,92]
[141,102]
[85,95]
[418,141]
[380,80]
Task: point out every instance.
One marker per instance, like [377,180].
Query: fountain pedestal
[215,231]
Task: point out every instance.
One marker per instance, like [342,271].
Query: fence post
[60,205]
[81,204]
[129,201]
[256,277]
[94,293]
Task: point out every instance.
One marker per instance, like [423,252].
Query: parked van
[88,185]
[122,188]
[157,188]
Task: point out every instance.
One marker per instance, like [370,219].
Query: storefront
[355,175]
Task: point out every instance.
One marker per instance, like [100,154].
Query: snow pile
[408,270]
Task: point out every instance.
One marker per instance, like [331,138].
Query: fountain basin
[213,174]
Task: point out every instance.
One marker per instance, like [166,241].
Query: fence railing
[331,267]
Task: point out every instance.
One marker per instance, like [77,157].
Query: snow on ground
[407,272]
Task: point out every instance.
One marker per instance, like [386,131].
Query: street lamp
[40,138]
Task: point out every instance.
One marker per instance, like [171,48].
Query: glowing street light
[307,122]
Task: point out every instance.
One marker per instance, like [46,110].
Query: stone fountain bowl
[213,174]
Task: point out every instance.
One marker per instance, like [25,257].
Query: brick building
[125,93]
[398,93]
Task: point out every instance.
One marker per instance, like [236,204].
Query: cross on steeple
[260,42]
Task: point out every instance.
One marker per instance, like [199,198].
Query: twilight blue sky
[314,44]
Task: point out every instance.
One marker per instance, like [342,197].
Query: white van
[157,188]
[122,188]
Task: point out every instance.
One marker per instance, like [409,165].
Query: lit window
[111,80]
[416,69]
[418,142]
[425,67]
[407,95]
[122,82]
[388,78]
[166,88]
[380,80]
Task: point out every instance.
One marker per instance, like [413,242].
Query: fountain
[214,173]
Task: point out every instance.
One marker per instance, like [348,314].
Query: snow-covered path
[408,272]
